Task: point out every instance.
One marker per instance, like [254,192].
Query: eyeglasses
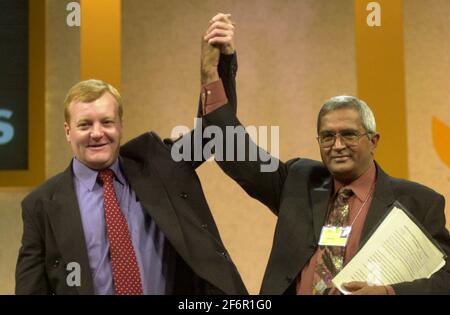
[348,137]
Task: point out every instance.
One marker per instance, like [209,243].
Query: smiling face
[94,131]
[346,163]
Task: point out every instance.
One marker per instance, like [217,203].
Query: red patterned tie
[331,258]
[126,275]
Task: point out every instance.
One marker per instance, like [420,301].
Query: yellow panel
[441,140]
[36,103]
[380,75]
[100,40]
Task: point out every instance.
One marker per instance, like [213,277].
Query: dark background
[14,81]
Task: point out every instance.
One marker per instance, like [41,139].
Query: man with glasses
[348,190]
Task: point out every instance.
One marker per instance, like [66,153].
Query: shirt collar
[88,176]
[362,185]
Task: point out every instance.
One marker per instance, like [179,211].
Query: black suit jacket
[298,193]
[171,194]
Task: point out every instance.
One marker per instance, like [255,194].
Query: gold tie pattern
[126,275]
[331,258]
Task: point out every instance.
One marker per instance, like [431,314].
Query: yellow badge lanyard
[338,236]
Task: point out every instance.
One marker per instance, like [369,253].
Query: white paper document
[397,251]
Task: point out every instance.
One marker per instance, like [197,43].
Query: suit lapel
[65,219]
[320,197]
[153,196]
[383,198]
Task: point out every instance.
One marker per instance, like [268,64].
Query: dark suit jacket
[298,193]
[171,194]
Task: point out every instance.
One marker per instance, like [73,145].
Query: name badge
[334,235]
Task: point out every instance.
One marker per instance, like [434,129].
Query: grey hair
[345,101]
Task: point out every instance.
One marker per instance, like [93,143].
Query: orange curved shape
[441,140]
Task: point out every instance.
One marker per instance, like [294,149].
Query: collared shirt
[212,96]
[362,188]
[155,263]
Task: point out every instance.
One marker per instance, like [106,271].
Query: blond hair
[88,91]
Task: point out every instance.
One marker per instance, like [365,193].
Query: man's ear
[67,131]
[374,141]
[121,128]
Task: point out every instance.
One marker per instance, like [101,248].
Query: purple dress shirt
[153,256]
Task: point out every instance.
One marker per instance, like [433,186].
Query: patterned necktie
[331,258]
[126,275]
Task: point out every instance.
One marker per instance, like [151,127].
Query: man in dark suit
[124,219]
[347,189]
